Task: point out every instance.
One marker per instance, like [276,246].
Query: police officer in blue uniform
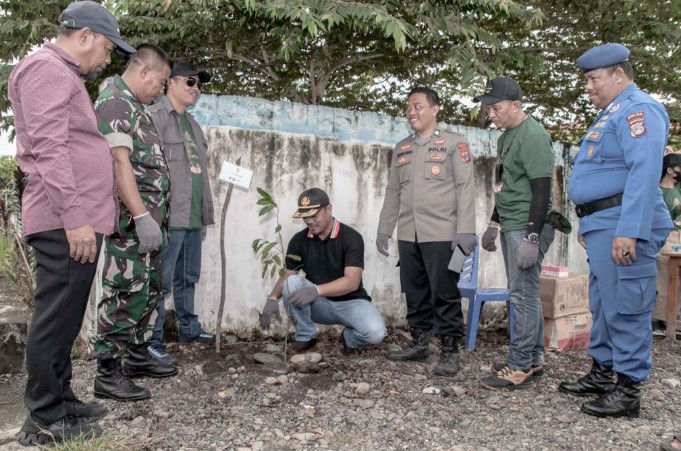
[623,224]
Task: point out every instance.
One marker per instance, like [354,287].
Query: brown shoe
[508,379]
[537,370]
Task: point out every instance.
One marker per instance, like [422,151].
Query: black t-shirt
[325,261]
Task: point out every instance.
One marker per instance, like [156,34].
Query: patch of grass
[106,442]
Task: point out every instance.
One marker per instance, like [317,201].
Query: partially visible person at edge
[431,197]
[68,205]
[522,199]
[131,280]
[672,444]
[331,255]
[671,193]
[191,203]
[623,223]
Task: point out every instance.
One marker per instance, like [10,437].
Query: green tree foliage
[544,61]
[16,260]
[366,55]
[352,54]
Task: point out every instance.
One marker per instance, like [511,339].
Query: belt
[598,205]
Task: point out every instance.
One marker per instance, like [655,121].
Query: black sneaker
[159,353]
[68,428]
[302,346]
[537,370]
[203,337]
[508,379]
[88,411]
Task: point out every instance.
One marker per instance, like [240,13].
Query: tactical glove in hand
[303,296]
[271,309]
[467,242]
[382,243]
[527,255]
[488,238]
[149,234]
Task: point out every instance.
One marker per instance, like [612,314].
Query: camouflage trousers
[126,314]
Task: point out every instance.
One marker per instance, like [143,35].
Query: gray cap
[94,16]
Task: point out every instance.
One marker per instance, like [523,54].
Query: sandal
[673,444]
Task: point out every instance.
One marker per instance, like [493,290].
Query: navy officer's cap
[605,55]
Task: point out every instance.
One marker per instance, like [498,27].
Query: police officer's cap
[605,55]
[310,202]
[503,88]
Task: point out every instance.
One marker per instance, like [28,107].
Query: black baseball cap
[671,160]
[503,88]
[88,14]
[310,202]
[185,69]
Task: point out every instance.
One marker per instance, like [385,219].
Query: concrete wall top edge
[343,125]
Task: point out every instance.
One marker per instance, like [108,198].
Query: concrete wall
[291,147]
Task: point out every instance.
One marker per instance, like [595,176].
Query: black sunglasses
[191,81]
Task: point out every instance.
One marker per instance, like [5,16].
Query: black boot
[68,428]
[599,381]
[449,363]
[138,362]
[111,383]
[417,350]
[624,400]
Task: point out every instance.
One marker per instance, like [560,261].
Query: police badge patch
[637,124]
[464,152]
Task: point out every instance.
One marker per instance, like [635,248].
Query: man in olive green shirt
[521,201]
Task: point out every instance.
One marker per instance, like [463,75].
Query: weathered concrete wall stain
[291,147]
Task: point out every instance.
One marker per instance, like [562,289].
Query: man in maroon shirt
[68,205]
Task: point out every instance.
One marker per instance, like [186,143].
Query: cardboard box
[563,296]
[554,271]
[567,332]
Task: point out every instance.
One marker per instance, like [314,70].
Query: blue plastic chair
[468,287]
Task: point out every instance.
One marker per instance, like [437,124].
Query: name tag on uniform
[237,175]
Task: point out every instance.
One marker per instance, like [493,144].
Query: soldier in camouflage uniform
[132,278]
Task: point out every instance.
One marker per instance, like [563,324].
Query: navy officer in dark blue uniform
[623,224]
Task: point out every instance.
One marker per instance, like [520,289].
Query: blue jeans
[363,322]
[182,266]
[527,344]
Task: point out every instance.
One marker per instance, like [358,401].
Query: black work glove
[382,243]
[148,232]
[303,296]
[488,238]
[271,309]
[527,255]
[467,242]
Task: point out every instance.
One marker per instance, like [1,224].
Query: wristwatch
[532,238]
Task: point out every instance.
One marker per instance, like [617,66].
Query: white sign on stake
[237,175]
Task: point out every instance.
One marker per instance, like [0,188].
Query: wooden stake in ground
[223,261]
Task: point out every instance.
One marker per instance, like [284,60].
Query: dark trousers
[433,298]
[61,297]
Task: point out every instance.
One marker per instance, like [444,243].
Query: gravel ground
[366,402]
